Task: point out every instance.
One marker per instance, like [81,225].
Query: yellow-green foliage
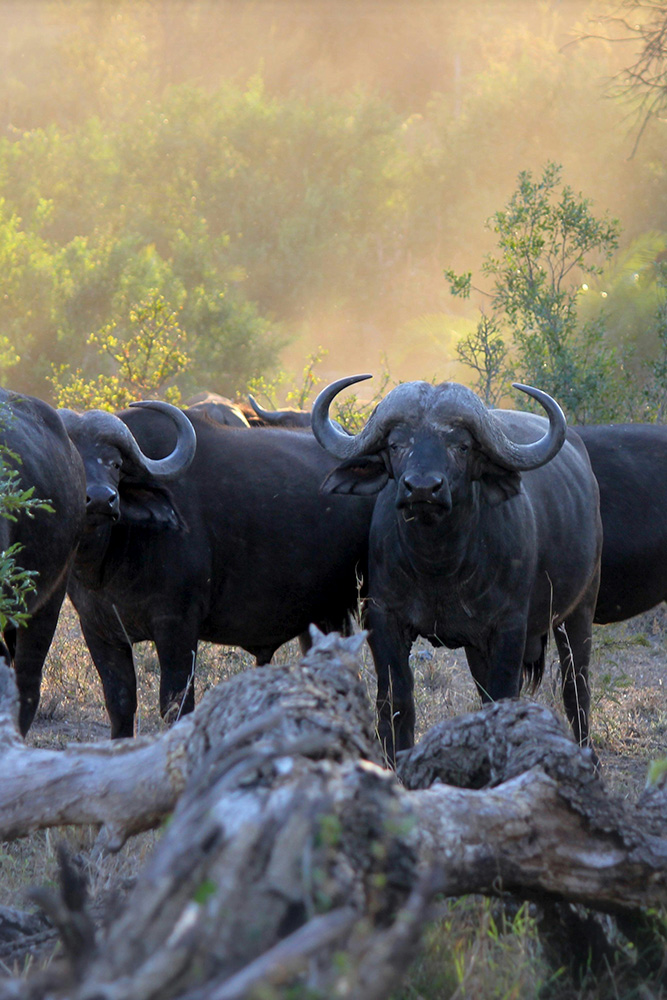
[16,583]
[318,199]
[145,356]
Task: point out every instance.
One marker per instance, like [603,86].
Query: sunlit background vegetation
[224,194]
[263,178]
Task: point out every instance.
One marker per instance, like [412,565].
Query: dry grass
[72,705]
[475,948]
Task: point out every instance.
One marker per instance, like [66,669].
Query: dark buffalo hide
[630,465]
[220,409]
[242,549]
[485,535]
[48,463]
[240,414]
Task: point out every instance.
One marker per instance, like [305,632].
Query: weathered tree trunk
[290,842]
[541,821]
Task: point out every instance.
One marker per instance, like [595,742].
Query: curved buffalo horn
[523,457]
[184,450]
[268,416]
[289,417]
[329,434]
[105,426]
[468,410]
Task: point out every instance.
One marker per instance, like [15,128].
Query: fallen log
[539,819]
[126,786]
[290,842]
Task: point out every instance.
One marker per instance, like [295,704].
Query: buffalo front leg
[390,645]
[29,647]
[497,669]
[478,665]
[115,665]
[176,646]
[574,640]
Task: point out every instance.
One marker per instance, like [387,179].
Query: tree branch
[289,842]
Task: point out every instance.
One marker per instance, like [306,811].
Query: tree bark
[290,842]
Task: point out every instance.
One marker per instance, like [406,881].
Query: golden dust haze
[480,89]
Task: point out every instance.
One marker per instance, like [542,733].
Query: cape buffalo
[242,549]
[630,465]
[297,420]
[220,408]
[251,414]
[45,460]
[486,533]
[289,417]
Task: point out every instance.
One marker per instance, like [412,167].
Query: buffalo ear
[363,476]
[498,489]
[498,484]
[149,505]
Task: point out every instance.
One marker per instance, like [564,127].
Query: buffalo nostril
[423,484]
[102,501]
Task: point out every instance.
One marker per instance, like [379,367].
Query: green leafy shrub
[16,583]
[548,241]
[146,354]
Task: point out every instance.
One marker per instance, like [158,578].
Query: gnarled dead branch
[290,842]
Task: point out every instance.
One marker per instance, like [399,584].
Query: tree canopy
[283,180]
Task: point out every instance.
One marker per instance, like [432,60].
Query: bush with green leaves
[484,351]
[549,240]
[143,357]
[271,204]
[16,583]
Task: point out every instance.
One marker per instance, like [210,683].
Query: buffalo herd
[475,528]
